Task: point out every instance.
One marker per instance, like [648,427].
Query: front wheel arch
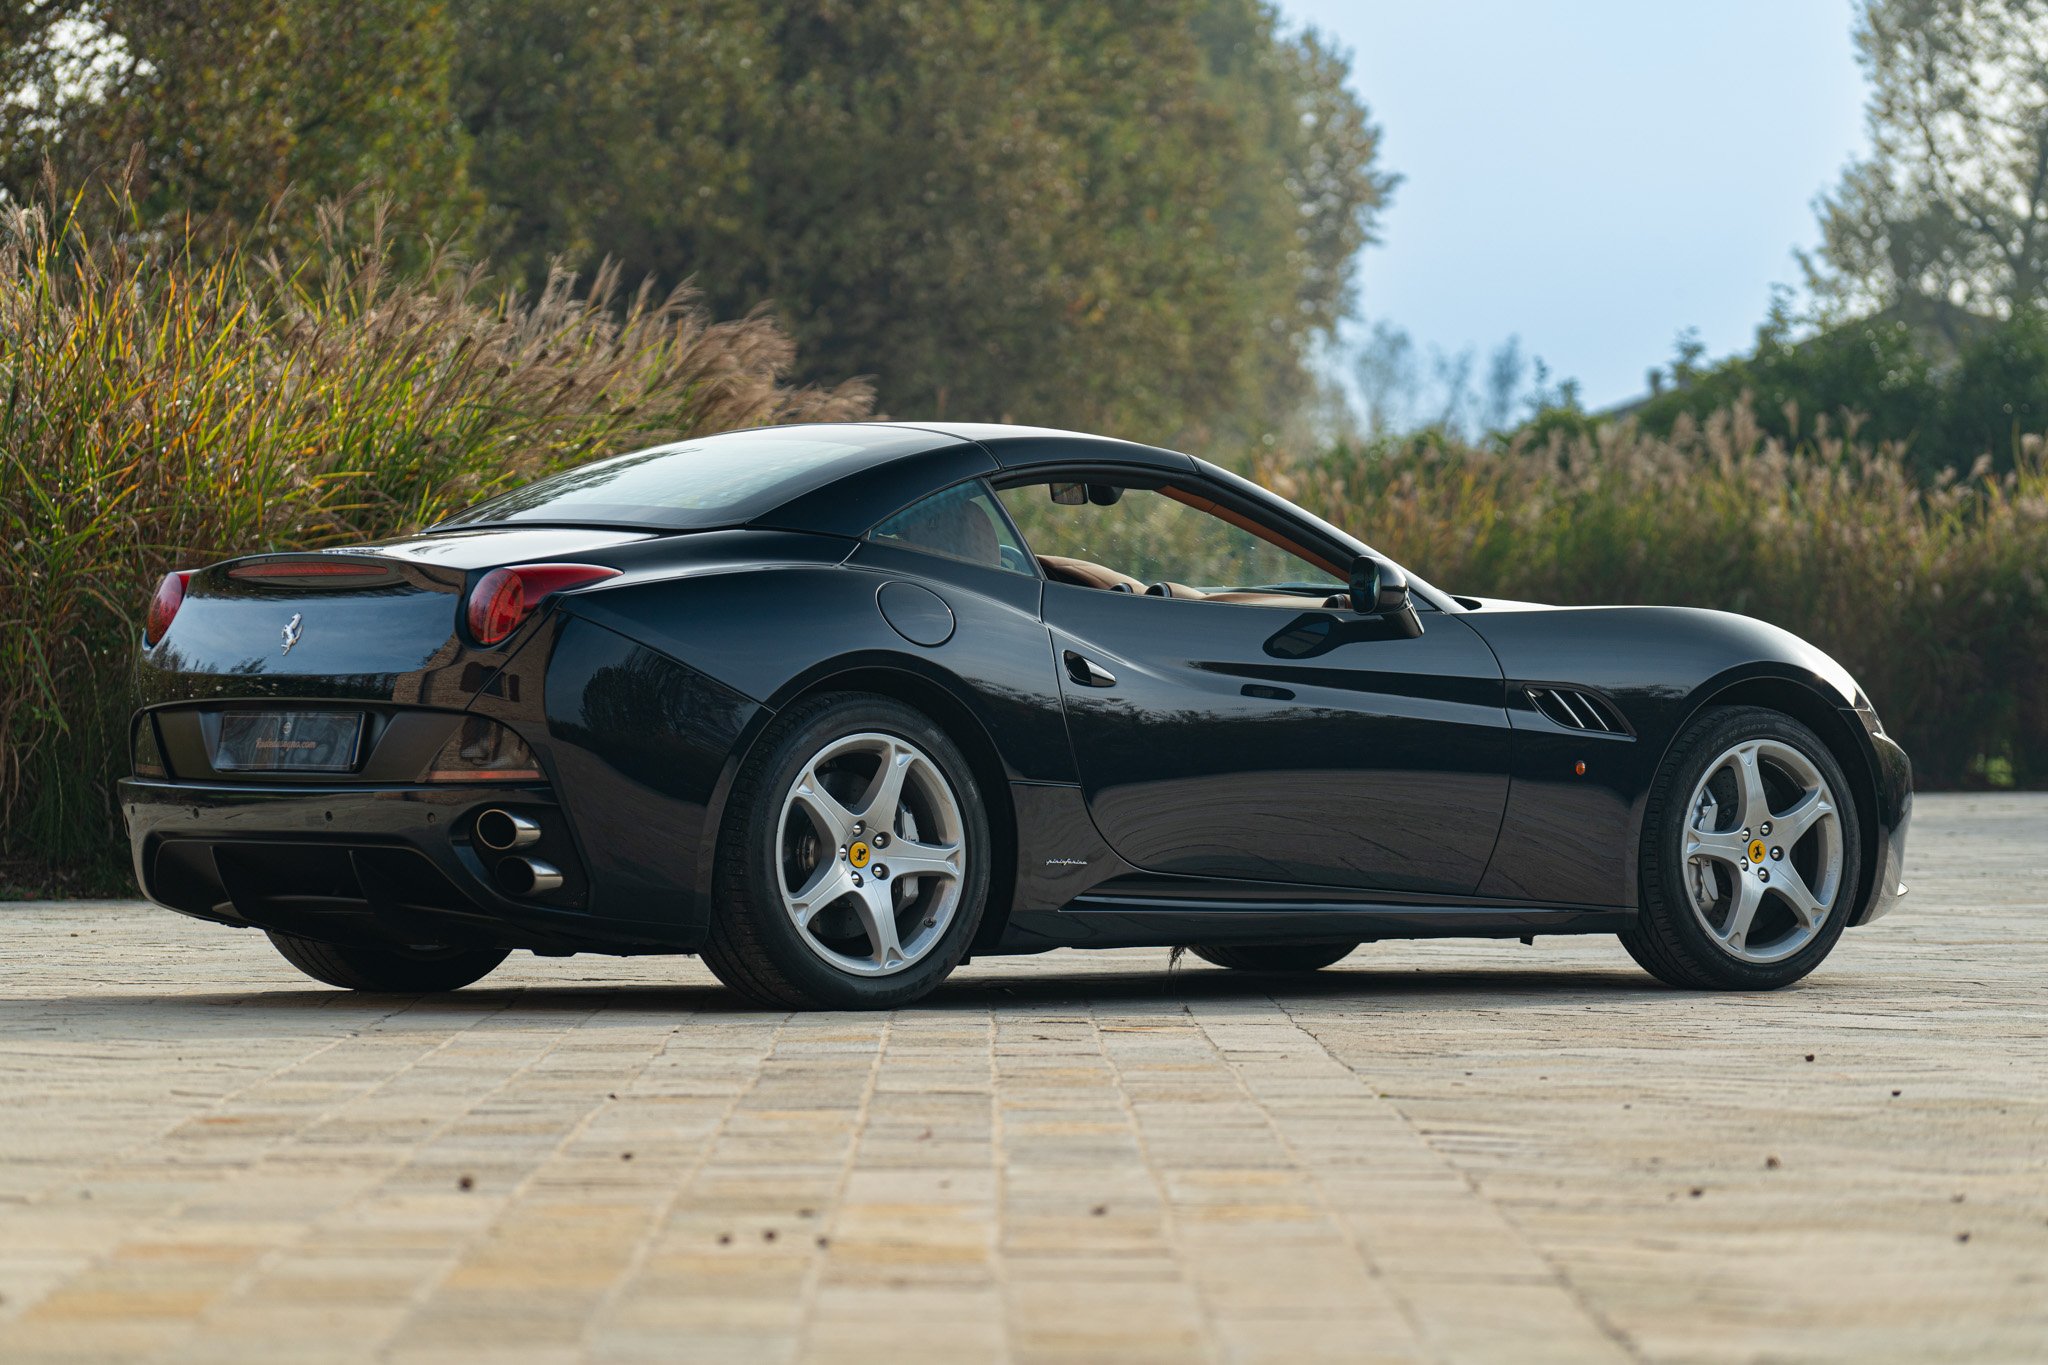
[1807,705]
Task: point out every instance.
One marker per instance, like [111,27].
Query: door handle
[1087,672]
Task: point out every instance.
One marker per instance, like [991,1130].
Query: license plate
[288,741]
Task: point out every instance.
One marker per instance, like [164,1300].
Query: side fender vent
[1576,710]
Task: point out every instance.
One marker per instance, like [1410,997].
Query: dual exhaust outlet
[501,832]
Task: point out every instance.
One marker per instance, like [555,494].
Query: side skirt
[1073,891]
[1126,921]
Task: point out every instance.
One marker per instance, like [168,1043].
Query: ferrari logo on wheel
[1756,850]
[858,855]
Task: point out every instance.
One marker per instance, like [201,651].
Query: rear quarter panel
[661,685]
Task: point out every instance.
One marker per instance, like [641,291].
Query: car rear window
[721,480]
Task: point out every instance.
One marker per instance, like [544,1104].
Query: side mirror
[1379,588]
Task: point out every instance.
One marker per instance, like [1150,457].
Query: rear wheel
[397,971]
[1750,856]
[1275,957]
[853,863]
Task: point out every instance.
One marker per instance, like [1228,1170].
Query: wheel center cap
[1757,851]
[858,854]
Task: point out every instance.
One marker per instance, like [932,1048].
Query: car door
[1264,735]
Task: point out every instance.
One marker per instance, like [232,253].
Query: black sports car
[840,706]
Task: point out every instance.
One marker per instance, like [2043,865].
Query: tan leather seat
[1334,602]
[1083,573]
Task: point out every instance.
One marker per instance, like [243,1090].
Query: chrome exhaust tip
[527,876]
[501,830]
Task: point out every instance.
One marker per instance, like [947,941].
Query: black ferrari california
[839,707]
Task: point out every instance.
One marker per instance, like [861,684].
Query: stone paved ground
[1444,1151]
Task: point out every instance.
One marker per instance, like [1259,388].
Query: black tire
[753,946]
[1274,957]
[387,970]
[1667,939]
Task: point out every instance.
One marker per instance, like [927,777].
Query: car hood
[1471,603]
[1669,646]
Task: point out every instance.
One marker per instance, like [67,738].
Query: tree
[1506,369]
[617,129]
[1386,373]
[1134,215]
[1948,216]
[216,108]
[1388,377]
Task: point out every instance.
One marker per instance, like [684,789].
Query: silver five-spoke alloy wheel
[870,854]
[1763,850]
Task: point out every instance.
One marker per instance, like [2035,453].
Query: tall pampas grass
[1934,596]
[162,407]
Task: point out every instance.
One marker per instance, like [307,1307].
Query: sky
[1595,176]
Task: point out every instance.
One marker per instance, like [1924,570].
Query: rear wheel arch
[960,725]
[1811,707]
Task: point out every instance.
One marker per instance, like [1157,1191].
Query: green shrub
[161,409]
[1933,595]
[1945,400]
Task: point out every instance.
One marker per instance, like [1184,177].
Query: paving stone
[1447,1151]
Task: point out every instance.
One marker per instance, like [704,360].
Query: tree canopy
[1948,215]
[225,105]
[1133,215]
[1930,325]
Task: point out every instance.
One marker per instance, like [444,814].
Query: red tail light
[503,598]
[170,595]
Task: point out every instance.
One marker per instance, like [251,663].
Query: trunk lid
[374,623]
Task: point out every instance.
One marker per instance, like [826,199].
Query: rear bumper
[354,864]
[1894,817]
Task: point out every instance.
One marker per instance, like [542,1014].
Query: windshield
[718,480]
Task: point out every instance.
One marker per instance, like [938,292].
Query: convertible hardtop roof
[841,479]
[850,504]
[1016,446]
[838,478]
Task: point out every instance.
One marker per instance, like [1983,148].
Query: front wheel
[1275,957]
[853,863]
[395,971]
[1750,857]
